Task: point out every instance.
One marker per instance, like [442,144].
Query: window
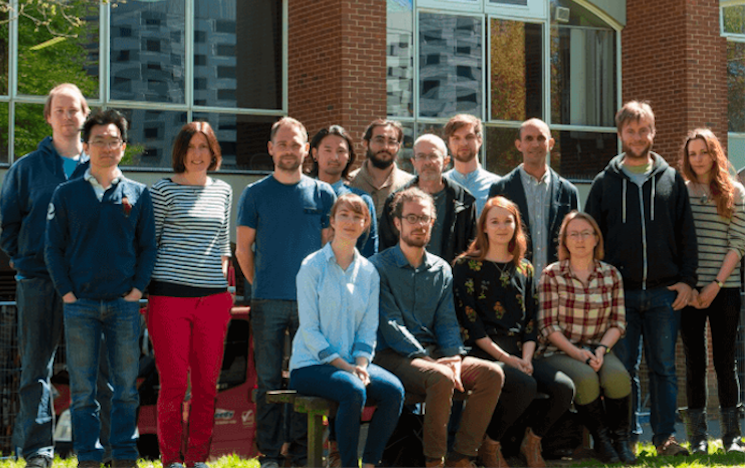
[733,28]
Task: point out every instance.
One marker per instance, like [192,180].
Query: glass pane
[582,155]
[509,2]
[449,65]
[150,136]
[243,140]
[3,53]
[147,51]
[400,58]
[501,154]
[218,60]
[736,86]
[733,19]
[30,128]
[60,53]
[407,149]
[516,73]
[3,132]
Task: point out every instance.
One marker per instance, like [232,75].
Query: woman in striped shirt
[717,203]
[189,301]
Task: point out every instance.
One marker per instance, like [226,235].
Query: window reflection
[3,134]
[150,136]
[736,86]
[30,128]
[582,155]
[400,58]
[501,154]
[243,140]
[733,19]
[3,54]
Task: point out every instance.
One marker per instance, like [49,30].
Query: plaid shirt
[582,313]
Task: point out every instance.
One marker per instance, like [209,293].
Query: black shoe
[696,430]
[618,417]
[593,418]
[732,438]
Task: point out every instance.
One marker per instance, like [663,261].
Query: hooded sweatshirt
[648,230]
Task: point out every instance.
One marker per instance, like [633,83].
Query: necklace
[504,273]
[703,190]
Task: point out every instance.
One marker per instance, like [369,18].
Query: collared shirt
[337,309]
[98,188]
[477,182]
[362,179]
[537,196]
[581,312]
[416,305]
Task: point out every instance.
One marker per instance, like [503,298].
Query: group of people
[437,285]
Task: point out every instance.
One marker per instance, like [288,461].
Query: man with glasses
[100,251]
[455,225]
[379,175]
[26,191]
[419,336]
[544,198]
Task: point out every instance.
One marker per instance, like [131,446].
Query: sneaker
[671,447]
[39,461]
[269,463]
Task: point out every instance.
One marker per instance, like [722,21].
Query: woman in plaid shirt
[582,316]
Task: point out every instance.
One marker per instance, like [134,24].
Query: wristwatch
[719,283]
[607,349]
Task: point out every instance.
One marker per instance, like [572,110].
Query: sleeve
[466,308]
[548,316]
[247,211]
[470,226]
[57,241]
[736,231]
[224,239]
[309,313]
[367,329]
[531,304]
[618,305]
[11,213]
[370,244]
[160,210]
[147,249]
[446,325]
[686,236]
[387,232]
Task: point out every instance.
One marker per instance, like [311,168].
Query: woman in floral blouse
[582,316]
[496,305]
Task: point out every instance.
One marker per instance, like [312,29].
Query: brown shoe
[490,454]
[671,447]
[439,463]
[531,449]
[334,460]
[464,462]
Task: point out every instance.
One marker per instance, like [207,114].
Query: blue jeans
[385,390]
[650,319]
[270,321]
[39,333]
[119,321]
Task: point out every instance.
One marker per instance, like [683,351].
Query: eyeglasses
[111,144]
[414,219]
[580,235]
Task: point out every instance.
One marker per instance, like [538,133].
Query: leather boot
[593,418]
[618,417]
[696,428]
[732,438]
[531,449]
[490,454]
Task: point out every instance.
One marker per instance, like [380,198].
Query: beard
[411,242]
[288,165]
[467,157]
[630,153]
[379,163]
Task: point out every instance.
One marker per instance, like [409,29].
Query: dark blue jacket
[100,250]
[27,189]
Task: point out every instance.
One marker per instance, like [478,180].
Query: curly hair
[721,185]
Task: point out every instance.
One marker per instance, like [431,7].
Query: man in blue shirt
[419,336]
[282,219]
[100,251]
[26,191]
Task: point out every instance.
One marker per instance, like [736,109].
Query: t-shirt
[288,220]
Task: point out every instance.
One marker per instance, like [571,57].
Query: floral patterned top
[495,299]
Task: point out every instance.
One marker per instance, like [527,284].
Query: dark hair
[564,253]
[339,131]
[462,120]
[181,146]
[289,122]
[407,195]
[105,117]
[384,123]
[63,89]
[479,248]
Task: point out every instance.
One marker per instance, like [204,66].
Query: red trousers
[188,335]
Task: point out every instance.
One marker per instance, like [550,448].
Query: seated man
[419,337]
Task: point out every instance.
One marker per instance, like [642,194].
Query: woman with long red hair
[717,202]
[496,306]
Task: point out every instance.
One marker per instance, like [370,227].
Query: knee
[587,389]
[491,375]
[440,380]
[354,396]
[616,385]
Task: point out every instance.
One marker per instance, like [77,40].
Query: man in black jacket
[455,226]
[641,205]
[542,196]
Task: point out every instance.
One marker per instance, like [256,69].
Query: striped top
[192,225]
[717,235]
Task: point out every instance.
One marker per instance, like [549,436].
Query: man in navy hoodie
[26,191]
[100,251]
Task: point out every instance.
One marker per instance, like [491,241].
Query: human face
[417,234]
[535,143]
[332,156]
[637,137]
[500,226]
[288,148]
[66,115]
[347,223]
[198,154]
[700,160]
[429,161]
[383,146]
[581,239]
[464,144]
[105,146]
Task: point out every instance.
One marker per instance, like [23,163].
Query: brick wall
[337,64]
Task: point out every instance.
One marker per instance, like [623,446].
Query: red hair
[480,246]
[721,186]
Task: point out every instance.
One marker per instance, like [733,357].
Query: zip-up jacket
[27,189]
[648,231]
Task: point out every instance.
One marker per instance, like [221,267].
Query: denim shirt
[337,309]
[416,305]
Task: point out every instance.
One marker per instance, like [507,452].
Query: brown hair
[634,110]
[564,254]
[181,146]
[384,123]
[289,122]
[721,186]
[462,120]
[62,89]
[480,245]
[355,203]
[408,195]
